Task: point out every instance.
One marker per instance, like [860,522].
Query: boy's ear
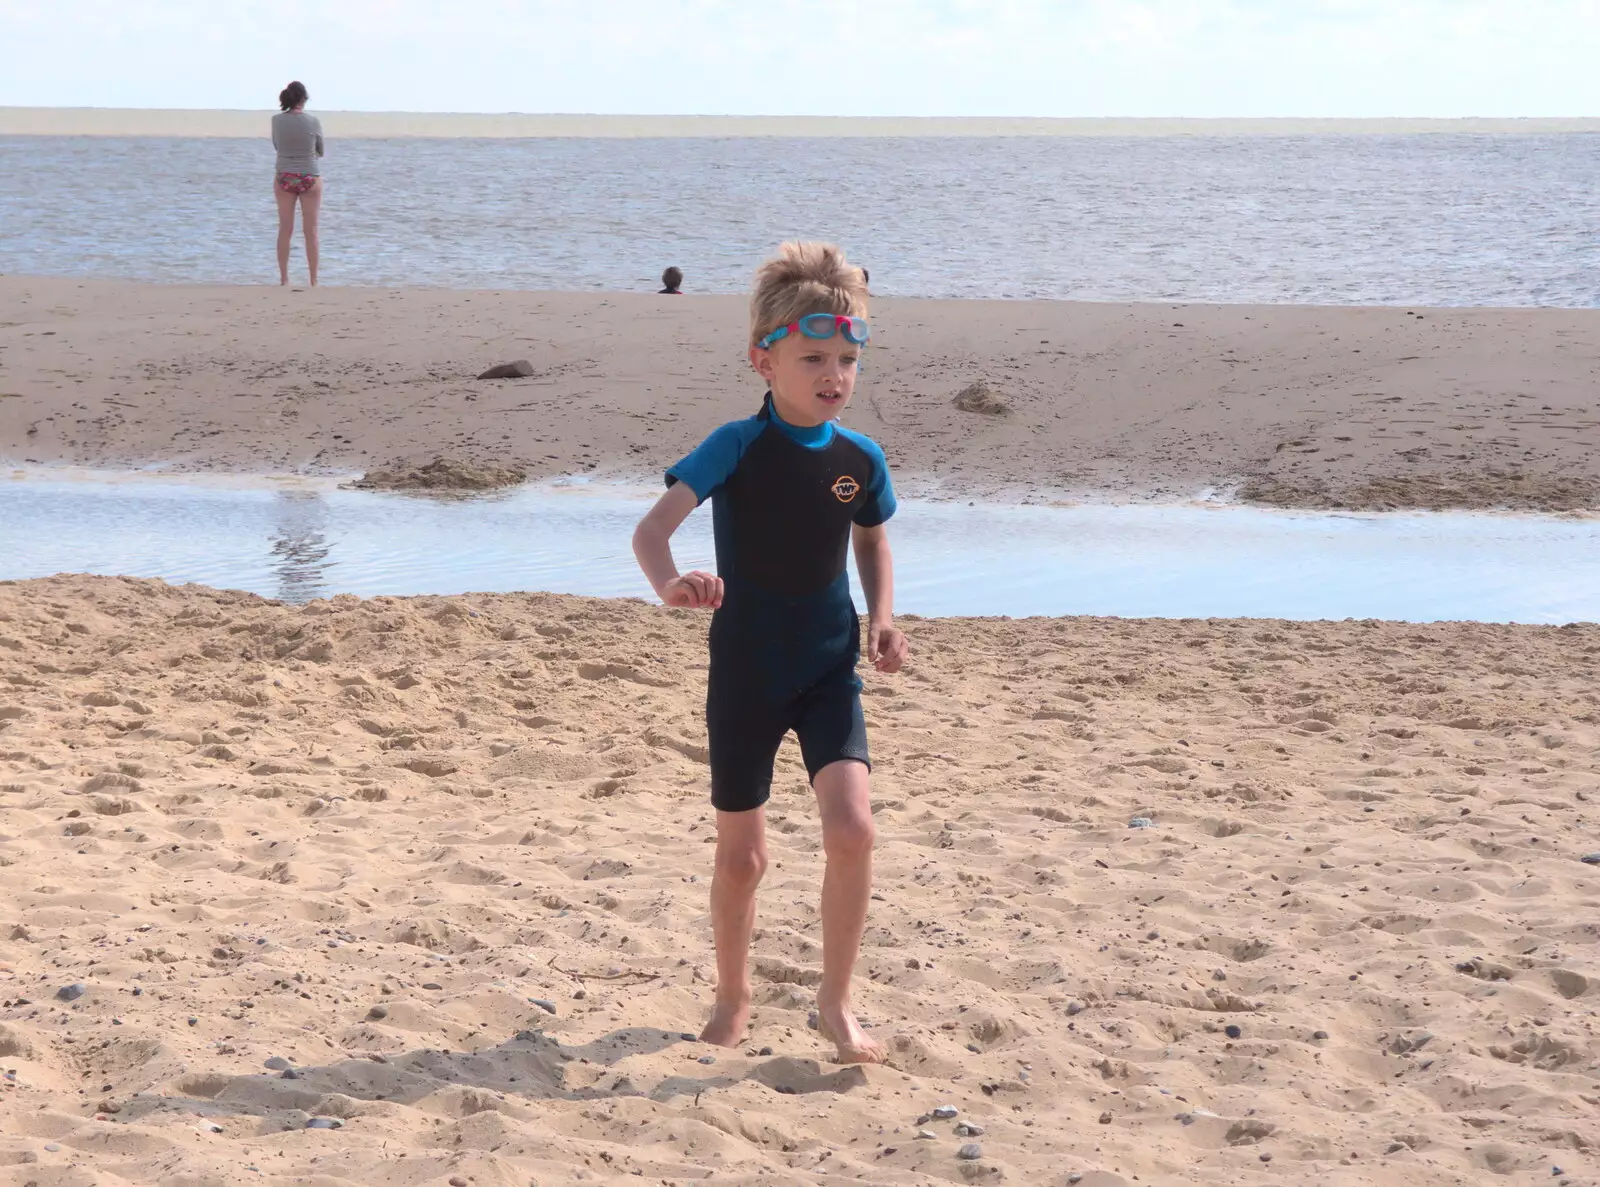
[761,360]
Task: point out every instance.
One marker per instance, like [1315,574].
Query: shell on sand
[363,839]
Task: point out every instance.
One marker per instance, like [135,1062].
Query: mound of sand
[979,397]
[434,871]
[441,474]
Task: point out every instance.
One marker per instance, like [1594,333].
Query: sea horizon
[235,122]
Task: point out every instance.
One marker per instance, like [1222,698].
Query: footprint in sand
[793,1077]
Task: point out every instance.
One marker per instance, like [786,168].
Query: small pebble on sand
[277,1063]
[71,993]
[945,1112]
[970,1152]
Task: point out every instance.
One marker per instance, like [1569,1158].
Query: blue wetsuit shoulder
[713,461]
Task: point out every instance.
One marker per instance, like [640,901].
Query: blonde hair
[805,278]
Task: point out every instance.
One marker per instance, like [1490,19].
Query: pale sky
[1328,58]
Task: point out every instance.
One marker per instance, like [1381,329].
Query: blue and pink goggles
[821,325]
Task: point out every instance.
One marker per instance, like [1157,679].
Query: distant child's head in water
[807,330]
[293,96]
[672,278]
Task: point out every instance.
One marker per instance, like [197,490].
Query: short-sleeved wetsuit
[785,642]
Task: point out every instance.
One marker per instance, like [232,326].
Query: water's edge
[297,538]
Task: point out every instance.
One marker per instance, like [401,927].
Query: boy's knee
[741,865]
[849,837]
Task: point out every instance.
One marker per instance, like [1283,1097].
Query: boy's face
[812,379]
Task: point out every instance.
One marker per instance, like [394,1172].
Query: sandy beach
[432,872]
[1299,406]
[413,891]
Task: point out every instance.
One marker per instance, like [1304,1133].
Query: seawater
[300,540]
[1373,219]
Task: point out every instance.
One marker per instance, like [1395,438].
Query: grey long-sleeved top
[298,139]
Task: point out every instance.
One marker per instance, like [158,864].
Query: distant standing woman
[298,139]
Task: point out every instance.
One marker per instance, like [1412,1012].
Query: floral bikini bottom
[296,183]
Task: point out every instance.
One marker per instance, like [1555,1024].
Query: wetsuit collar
[811,435]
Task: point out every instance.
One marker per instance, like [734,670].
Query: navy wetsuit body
[785,642]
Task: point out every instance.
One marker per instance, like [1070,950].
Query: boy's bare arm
[886,646]
[652,545]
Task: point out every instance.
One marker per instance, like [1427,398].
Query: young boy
[789,487]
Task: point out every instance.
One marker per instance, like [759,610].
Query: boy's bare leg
[741,860]
[847,835]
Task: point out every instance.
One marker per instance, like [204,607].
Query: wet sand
[446,861]
[1296,406]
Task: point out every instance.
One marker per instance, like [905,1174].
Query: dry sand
[1362,407]
[362,837]
[347,125]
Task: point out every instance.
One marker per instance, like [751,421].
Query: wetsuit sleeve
[879,503]
[714,459]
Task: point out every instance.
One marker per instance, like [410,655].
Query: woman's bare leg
[310,208]
[285,229]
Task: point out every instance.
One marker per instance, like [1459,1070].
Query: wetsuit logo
[846,488]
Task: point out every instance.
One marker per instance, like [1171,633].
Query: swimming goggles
[821,325]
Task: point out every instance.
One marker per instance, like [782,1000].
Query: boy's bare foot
[728,1022]
[839,1026]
